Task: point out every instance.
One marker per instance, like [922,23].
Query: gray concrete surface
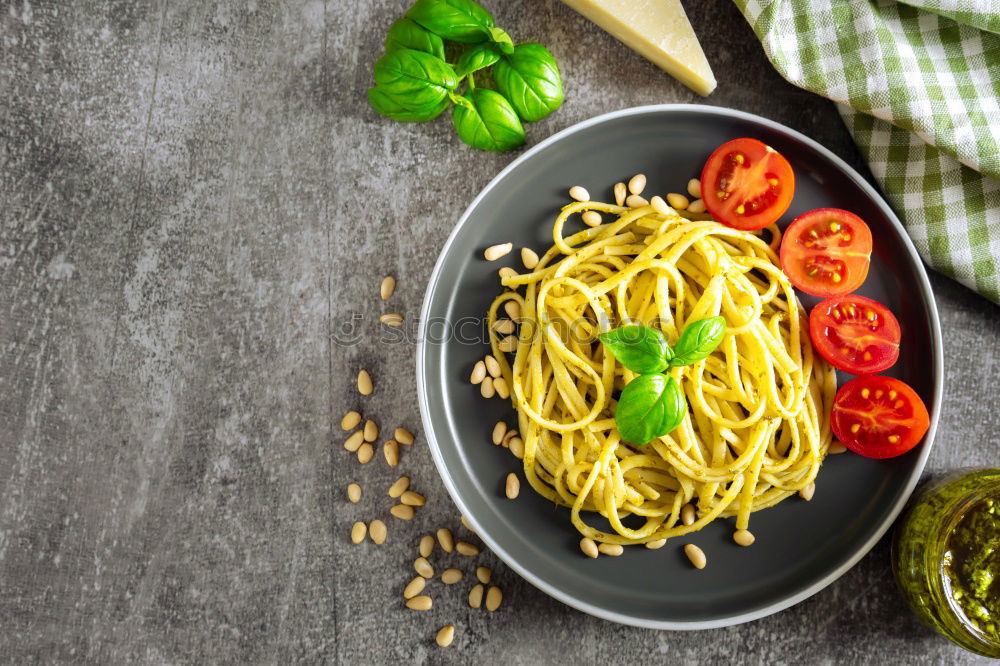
[193,196]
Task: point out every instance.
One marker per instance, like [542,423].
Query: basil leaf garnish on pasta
[639,348]
[698,340]
[650,406]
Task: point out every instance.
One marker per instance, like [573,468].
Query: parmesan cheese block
[658,30]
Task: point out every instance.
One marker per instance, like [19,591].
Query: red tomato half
[856,334]
[746,184]
[878,416]
[826,252]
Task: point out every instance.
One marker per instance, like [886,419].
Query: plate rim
[785,602]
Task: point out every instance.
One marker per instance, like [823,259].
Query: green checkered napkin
[918,85]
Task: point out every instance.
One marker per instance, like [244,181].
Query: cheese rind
[660,31]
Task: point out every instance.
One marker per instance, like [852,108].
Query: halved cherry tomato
[826,252]
[878,416]
[746,184]
[856,334]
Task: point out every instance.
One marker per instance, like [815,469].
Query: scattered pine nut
[467,525]
[696,206]
[620,193]
[493,598]
[529,258]
[423,567]
[588,547]
[654,545]
[592,218]
[350,421]
[516,446]
[402,511]
[499,430]
[466,548]
[378,531]
[505,442]
[391,452]
[492,366]
[445,635]
[387,287]
[421,603]
[507,273]
[513,309]
[659,205]
[399,486]
[579,193]
[365,453]
[687,514]
[836,448]
[508,344]
[411,498]
[677,201]
[414,587]
[635,201]
[446,540]
[744,537]
[500,385]
[354,441]
[426,545]
[483,574]
[494,252]
[694,188]
[451,576]
[358,532]
[403,436]
[696,555]
[354,493]
[476,596]
[513,486]
[371,431]
[486,388]
[504,326]
[612,549]
[637,183]
[392,319]
[807,492]
[365,386]
[478,372]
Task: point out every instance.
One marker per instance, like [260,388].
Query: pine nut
[506,438]
[655,545]
[387,287]
[354,492]
[426,545]
[391,452]
[478,372]
[445,635]
[516,446]
[694,188]
[677,201]
[579,193]
[365,386]
[612,549]
[588,547]
[350,421]
[371,431]
[446,540]
[513,309]
[499,430]
[500,385]
[467,525]
[365,453]
[403,436]
[635,201]
[476,596]
[529,258]
[423,567]
[836,448]
[354,441]
[513,486]
[507,273]
[378,531]
[504,326]
[494,252]
[493,598]
[659,205]
[486,388]
[744,537]
[411,498]
[414,587]
[508,344]
[696,206]
[687,514]
[402,511]
[592,218]
[492,365]
[620,193]
[807,492]
[483,574]
[637,183]
[451,576]
[421,603]
[466,548]
[392,319]
[399,486]
[696,555]
[358,532]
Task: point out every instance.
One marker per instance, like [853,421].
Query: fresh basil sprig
[529,78]
[653,404]
[484,119]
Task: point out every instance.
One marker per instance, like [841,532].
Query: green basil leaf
[529,78]
[698,340]
[407,34]
[650,406]
[414,79]
[462,21]
[390,108]
[639,348]
[475,59]
[502,40]
[487,121]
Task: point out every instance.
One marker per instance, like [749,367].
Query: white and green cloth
[918,85]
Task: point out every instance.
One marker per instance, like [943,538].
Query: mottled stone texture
[193,197]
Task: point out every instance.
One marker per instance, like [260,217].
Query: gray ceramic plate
[801,547]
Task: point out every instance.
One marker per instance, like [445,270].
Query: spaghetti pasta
[757,427]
